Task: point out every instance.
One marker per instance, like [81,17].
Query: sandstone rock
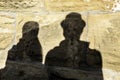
[24,71]
[7,22]
[7,30]
[78,5]
[6,40]
[103,30]
[21,5]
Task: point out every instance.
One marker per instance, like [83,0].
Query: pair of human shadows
[72,52]
[28,48]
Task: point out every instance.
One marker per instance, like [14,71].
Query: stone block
[5,40]
[104,36]
[78,5]
[7,29]
[21,5]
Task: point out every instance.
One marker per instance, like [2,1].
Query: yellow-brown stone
[6,40]
[104,35]
[7,30]
[21,5]
[102,31]
[102,28]
[78,5]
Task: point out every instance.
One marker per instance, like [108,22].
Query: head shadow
[73,26]
[28,48]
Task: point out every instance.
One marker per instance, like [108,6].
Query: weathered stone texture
[104,36]
[7,29]
[3,55]
[102,28]
[78,5]
[102,31]
[5,40]
[7,33]
[21,5]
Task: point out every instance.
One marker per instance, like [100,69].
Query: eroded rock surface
[21,5]
[78,5]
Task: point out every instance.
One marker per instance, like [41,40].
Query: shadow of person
[28,48]
[71,52]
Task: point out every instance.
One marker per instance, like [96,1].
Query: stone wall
[102,29]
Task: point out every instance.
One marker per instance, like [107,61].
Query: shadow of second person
[71,52]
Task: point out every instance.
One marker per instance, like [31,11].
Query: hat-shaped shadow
[73,53]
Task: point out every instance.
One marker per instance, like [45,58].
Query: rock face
[7,30]
[101,33]
[78,5]
[18,5]
[71,57]
[106,38]
[23,71]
